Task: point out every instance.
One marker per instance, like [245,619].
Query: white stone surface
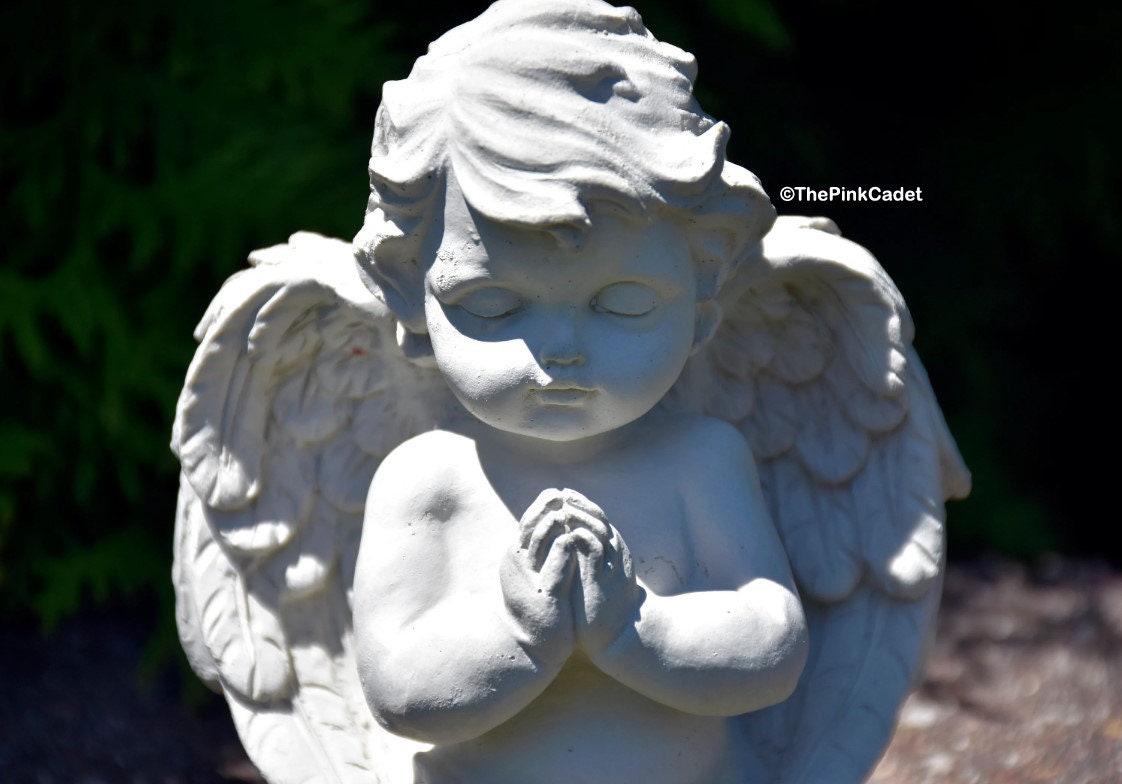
[597,437]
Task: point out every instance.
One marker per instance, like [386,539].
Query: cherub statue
[649,484]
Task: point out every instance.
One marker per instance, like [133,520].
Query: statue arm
[738,643]
[440,658]
[715,653]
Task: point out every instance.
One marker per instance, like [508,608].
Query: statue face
[553,342]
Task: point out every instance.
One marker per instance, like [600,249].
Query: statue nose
[562,359]
[561,346]
[561,354]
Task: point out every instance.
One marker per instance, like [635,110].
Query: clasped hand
[568,580]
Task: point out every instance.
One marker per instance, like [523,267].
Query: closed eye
[627,298]
[490,303]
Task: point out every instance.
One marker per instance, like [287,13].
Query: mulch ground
[1024,686]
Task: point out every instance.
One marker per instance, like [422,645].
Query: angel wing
[296,393]
[813,362]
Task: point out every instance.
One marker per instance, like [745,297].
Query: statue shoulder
[420,475]
[705,446]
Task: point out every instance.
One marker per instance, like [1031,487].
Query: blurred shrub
[146,148]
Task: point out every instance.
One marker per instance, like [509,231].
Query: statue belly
[586,729]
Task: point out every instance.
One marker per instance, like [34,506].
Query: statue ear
[707,320]
[402,286]
[397,277]
[404,295]
[416,346]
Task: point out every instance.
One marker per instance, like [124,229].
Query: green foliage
[121,563]
[756,19]
[146,149]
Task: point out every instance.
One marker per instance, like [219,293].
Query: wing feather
[817,529]
[308,410]
[304,568]
[342,467]
[242,635]
[219,429]
[876,414]
[187,620]
[798,328]
[831,447]
[272,734]
[773,424]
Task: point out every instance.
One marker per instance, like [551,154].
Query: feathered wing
[296,393]
[813,362]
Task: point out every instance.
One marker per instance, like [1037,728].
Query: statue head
[539,108]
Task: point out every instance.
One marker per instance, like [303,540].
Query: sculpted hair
[540,107]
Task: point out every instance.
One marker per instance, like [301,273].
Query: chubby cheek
[641,368]
[486,376]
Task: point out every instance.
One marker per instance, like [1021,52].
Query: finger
[591,546]
[549,500]
[581,502]
[544,537]
[618,557]
[557,569]
[578,518]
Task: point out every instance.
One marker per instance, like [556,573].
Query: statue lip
[563,385]
[562,393]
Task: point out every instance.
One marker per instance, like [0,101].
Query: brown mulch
[1024,685]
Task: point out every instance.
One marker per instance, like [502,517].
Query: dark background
[146,148]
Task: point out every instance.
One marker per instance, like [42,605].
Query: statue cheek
[485,375]
[650,359]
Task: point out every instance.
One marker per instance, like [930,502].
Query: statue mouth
[563,394]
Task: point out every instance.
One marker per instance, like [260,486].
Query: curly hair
[537,108]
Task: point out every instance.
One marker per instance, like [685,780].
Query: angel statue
[577,465]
